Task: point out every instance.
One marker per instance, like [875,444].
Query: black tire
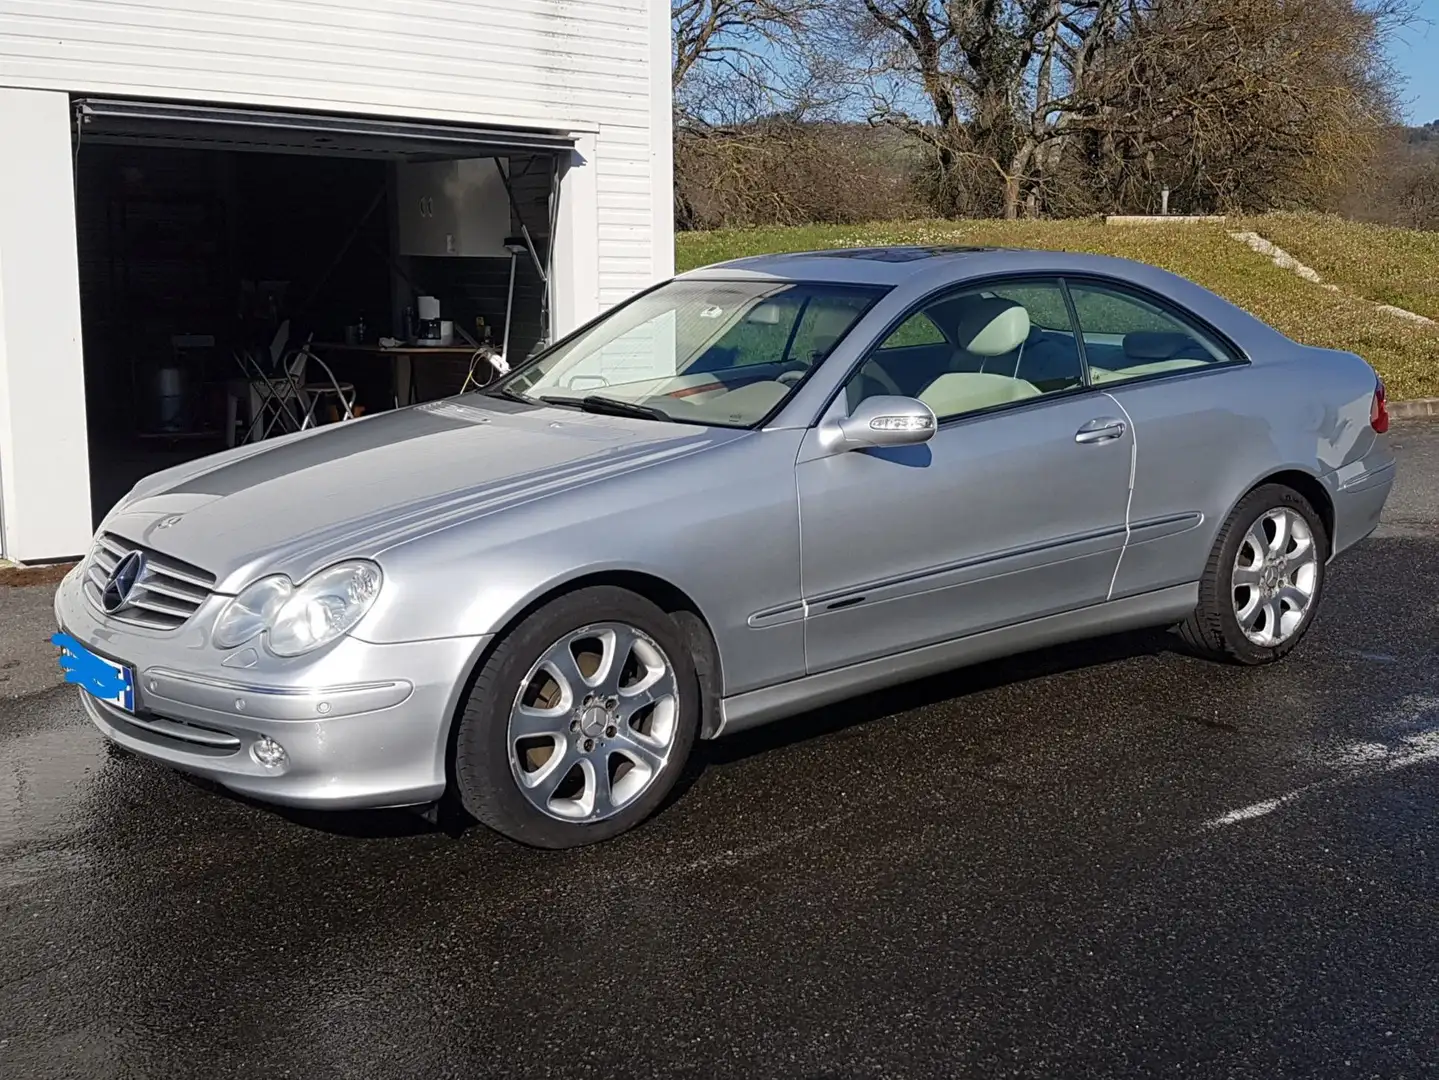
[484,782]
[1213,630]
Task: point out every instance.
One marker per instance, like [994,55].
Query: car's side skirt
[757,707]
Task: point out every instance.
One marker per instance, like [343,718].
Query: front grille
[173,734]
[166,594]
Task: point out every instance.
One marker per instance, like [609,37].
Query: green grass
[1406,354]
[1390,266]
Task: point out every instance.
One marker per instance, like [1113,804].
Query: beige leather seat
[986,326]
[965,391]
[829,325]
[989,326]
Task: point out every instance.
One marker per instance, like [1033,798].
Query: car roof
[893,265]
[920,269]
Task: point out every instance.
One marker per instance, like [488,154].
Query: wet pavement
[1105,860]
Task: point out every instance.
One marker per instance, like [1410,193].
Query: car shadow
[383,824]
[946,686]
[402,822]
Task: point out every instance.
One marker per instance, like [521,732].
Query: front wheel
[579,722]
[1263,583]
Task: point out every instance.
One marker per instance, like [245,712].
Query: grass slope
[1406,354]
[1389,266]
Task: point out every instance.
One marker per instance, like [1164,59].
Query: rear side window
[1127,337]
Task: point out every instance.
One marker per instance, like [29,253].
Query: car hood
[294,504]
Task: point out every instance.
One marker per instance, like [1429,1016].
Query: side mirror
[879,422]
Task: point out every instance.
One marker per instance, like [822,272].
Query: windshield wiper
[608,406]
[511,395]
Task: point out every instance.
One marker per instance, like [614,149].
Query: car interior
[755,364]
[1143,352]
[973,351]
[993,354]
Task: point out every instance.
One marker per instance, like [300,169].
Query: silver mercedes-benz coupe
[753,490]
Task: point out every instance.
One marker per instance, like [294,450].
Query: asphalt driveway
[1106,860]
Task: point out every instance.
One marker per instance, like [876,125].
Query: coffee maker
[427,332]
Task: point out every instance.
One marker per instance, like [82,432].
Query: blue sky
[1416,54]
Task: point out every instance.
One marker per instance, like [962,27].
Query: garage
[215,244]
[195,192]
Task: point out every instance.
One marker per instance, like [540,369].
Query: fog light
[268,752]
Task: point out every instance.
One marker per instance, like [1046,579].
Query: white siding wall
[597,69]
[44,460]
[567,65]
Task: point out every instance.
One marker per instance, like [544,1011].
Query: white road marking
[1356,760]
[1244,813]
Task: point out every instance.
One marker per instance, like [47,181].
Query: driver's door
[1014,510]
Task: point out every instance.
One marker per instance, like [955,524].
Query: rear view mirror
[586,382]
[878,422]
[764,314]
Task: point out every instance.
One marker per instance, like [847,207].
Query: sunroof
[896,254]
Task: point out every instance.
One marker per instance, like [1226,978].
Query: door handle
[1104,429]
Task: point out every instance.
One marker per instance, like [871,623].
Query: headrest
[1157,344]
[991,325]
[829,325]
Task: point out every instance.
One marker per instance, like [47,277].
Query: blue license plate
[104,679]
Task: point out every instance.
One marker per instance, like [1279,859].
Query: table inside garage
[402,361]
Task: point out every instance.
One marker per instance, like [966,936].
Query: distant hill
[1426,135]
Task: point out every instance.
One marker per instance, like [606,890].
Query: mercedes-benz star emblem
[122,579]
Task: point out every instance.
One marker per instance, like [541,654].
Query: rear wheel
[1264,580]
[579,722]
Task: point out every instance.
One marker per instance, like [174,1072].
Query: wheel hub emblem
[122,581]
[593,721]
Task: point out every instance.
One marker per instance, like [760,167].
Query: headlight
[299,619]
[252,611]
[324,607]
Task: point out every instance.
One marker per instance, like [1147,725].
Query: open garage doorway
[217,244]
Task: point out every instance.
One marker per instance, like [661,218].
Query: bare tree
[983,82]
[740,79]
[1003,90]
[752,43]
[1241,103]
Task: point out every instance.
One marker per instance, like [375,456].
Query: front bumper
[363,725]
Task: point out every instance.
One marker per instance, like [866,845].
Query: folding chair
[287,400]
[274,399]
[268,397]
[315,394]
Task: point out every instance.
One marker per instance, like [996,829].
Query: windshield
[726,353]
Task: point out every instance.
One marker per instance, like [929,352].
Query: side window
[977,349]
[826,319]
[759,336]
[792,328]
[918,329]
[1127,337]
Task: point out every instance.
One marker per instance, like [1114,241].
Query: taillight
[1379,409]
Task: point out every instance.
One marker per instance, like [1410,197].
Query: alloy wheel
[594,722]
[1276,577]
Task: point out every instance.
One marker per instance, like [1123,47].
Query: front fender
[723,531]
